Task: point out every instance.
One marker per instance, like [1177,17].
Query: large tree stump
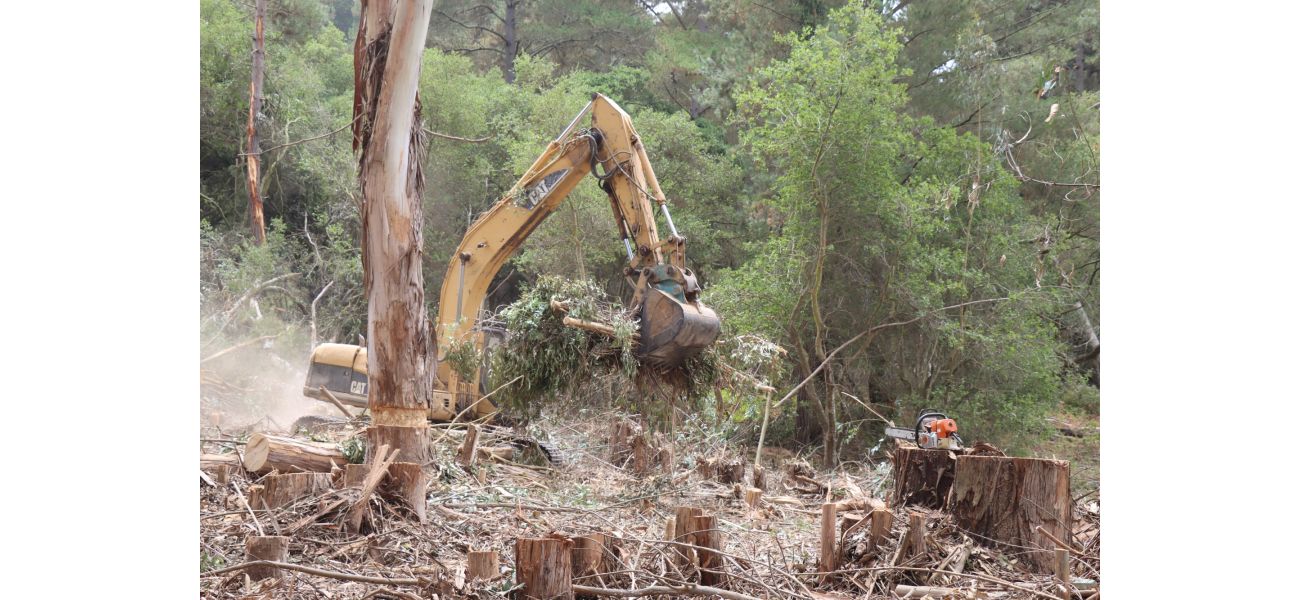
[280,490]
[1005,499]
[709,539]
[265,453]
[265,547]
[923,477]
[544,567]
[469,448]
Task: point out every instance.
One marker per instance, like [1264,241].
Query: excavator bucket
[673,331]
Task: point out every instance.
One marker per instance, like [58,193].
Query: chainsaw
[933,430]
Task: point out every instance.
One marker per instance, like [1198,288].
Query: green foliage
[464,359]
[354,449]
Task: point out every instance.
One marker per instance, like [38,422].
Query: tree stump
[620,440]
[409,483]
[709,539]
[589,554]
[916,534]
[544,567]
[468,450]
[829,556]
[482,564]
[753,498]
[280,490]
[759,477]
[1005,499]
[265,453]
[732,471]
[923,477]
[683,533]
[355,475]
[641,455]
[881,522]
[265,547]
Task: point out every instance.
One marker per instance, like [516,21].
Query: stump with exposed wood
[484,564]
[265,547]
[1006,499]
[280,490]
[684,533]
[923,476]
[709,539]
[829,554]
[265,453]
[543,566]
[468,451]
[408,483]
[589,554]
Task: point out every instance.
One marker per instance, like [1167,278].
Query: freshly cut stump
[409,483]
[280,490]
[485,565]
[589,554]
[1005,499]
[287,455]
[265,547]
[923,477]
[544,567]
[709,539]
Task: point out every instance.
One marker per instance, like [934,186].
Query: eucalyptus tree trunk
[256,218]
[401,348]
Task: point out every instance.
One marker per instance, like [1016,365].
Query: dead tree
[402,350]
[254,141]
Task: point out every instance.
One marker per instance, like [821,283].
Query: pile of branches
[545,359]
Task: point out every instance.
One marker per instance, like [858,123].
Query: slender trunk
[254,141]
[402,351]
[512,41]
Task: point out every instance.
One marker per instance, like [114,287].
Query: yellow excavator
[674,324]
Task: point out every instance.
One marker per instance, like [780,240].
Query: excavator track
[553,454]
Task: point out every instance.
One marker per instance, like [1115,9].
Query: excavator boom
[675,325]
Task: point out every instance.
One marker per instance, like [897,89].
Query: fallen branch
[655,590]
[455,138]
[335,401]
[238,346]
[984,578]
[314,571]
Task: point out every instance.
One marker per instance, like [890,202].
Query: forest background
[836,166]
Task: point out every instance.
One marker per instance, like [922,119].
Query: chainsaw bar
[901,433]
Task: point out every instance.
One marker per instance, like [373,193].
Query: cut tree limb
[265,453]
[383,458]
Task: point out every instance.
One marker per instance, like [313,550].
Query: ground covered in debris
[768,551]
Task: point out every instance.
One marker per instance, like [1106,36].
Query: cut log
[1006,499]
[920,591]
[209,462]
[829,556]
[469,447]
[709,539]
[281,490]
[265,453]
[923,477]
[482,564]
[499,453]
[543,567]
[265,547]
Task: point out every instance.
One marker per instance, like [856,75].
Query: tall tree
[402,349]
[254,109]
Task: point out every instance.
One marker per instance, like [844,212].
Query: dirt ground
[767,552]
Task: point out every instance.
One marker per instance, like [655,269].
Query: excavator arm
[675,325]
